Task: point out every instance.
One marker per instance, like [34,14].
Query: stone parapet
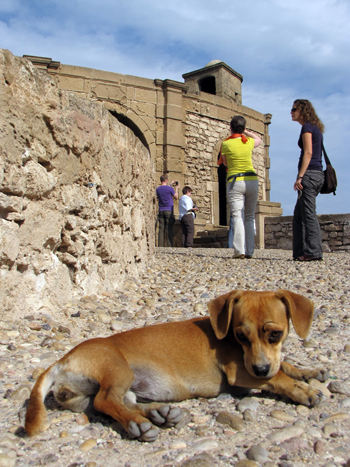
[335,229]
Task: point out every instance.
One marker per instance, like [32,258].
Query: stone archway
[133,121]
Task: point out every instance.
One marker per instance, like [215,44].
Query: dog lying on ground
[133,375]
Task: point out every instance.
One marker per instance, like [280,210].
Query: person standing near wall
[187,215]
[242,185]
[307,239]
[166,194]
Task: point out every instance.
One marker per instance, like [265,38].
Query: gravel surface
[259,429]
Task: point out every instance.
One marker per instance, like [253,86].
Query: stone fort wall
[182,125]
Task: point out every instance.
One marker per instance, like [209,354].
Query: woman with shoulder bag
[307,240]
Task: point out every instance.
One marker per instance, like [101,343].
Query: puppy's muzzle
[261,371]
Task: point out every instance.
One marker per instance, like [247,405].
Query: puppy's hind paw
[166,416]
[144,431]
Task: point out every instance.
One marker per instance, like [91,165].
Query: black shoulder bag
[330,177]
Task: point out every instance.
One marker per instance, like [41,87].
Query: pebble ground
[260,429]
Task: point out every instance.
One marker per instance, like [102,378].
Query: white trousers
[243,196]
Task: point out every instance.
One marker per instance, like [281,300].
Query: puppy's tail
[36,412]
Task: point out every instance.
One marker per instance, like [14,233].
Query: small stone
[103,318]
[226,418]
[37,372]
[310,343]
[7,461]
[249,415]
[12,334]
[283,434]
[294,445]
[315,383]
[82,419]
[246,463]
[7,441]
[345,403]
[199,309]
[116,325]
[201,460]
[347,348]
[205,444]
[21,393]
[320,447]
[64,434]
[47,342]
[58,346]
[88,444]
[257,453]
[64,330]
[178,445]
[48,459]
[329,429]
[201,419]
[302,410]
[248,403]
[339,387]
[337,417]
[34,326]
[279,415]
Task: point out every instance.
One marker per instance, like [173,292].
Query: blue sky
[284,49]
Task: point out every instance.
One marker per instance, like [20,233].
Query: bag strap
[326,158]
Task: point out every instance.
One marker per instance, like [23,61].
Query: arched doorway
[222,194]
[130,124]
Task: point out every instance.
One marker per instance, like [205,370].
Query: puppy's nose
[261,371]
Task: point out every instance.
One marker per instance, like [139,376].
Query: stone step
[213,238]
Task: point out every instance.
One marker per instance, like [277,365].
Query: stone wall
[77,201]
[181,125]
[335,230]
[203,139]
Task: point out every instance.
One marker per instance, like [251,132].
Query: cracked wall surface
[77,200]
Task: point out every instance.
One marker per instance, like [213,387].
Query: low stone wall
[335,230]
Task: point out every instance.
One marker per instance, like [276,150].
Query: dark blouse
[317,138]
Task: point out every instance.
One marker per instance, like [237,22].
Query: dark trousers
[307,239]
[187,227]
[165,233]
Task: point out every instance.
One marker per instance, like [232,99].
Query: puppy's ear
[220,312]
[300,309]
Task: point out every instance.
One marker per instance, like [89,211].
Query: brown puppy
[238,345]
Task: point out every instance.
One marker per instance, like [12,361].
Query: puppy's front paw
[166,416]
[322,375]
[144,431]
[305,394]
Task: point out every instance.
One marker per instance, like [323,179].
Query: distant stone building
[182,125]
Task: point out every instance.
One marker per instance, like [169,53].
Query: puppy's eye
[242,338]
[275,336]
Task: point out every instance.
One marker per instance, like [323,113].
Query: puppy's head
[260,323]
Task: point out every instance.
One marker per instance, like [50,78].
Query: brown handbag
[330,177]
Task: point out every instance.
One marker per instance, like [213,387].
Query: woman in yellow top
[242,185]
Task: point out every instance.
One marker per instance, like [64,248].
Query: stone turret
[216,78]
